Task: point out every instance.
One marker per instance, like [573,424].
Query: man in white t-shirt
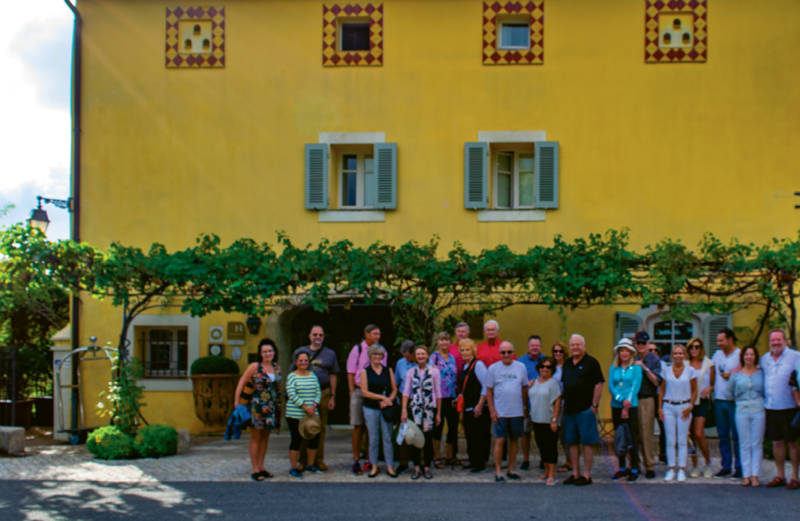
[726,360]
[507,396]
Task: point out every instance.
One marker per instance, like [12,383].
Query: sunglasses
[548,366]
[558,351]
[694,347]
[506,352]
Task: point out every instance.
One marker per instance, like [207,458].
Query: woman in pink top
[422,398]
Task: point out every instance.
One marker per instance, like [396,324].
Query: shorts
[701,411]
[357,408]
[509,428]
[528,426]
[779,425]
[581,428]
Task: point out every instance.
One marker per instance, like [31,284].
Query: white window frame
[514,180]
[192,324]
[513,21]
[656,318]
[360,179]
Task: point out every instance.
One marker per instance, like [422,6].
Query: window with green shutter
[476,175]
[316,176]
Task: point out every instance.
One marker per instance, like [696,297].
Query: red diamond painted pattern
[374,56]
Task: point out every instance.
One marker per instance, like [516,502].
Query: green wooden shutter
[711,328]
[386,176]
[546,174]
[476,175]
[317,176]
[625,325]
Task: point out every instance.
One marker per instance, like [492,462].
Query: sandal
[257,476]
[265,474]
[566,467]
[550,481]
[376,470]
[391,474]
[438,464]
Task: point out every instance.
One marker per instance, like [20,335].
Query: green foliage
[156,441]
[214,365]
[110,443]
[124,396]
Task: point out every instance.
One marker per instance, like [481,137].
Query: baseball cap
[641,336]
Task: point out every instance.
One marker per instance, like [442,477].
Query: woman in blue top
[624,381]
[746,388]
[447,369]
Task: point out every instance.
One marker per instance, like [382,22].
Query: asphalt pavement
[388,501]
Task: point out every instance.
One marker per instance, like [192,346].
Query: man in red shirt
[489,351]
[462,332]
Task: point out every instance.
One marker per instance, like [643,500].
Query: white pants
[677,431]
[750,426]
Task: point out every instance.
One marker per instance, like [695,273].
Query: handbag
[460,400]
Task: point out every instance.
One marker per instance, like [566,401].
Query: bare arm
[661,390]
[248,374]
[598,392]
[490,401]
[351,382]
[688,410]
[332,402]
[394,386]
[525,401]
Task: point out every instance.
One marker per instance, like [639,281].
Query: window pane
[526,163]
[663,330]
[349,188]
[515,35]
[350,163]
[355,36]
[505,162]
[526,188]
[369,189]
[683,331]
[503,191]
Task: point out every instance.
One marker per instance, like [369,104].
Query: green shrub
[214,365]
[110,443]
[156,441]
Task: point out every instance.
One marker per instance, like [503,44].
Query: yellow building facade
[398,120]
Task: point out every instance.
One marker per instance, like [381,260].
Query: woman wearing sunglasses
[545,400]
[559,357]
[705,370]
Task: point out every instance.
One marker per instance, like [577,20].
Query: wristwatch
[553,420]
[333,395]
[594,405]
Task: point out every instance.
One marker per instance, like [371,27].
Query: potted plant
[214,380]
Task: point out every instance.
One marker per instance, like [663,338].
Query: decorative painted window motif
[195,37]
[352,35]
[675,31]
[513,33]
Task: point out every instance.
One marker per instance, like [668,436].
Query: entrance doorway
[343,330]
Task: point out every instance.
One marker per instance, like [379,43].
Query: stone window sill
[166,384]
[352,216]
[505,216]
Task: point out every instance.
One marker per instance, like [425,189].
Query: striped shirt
[301,390]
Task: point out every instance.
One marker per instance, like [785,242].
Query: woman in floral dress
[265,406]
[447,370]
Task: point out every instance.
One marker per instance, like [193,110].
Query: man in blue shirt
[529,361]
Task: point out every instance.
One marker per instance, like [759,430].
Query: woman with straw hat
[303,396]
[624,382]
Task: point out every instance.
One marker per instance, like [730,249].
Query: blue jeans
[725,413]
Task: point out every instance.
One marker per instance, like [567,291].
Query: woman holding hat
[379,389]
[303,393]
[624,382]
[422,395]
[265,403]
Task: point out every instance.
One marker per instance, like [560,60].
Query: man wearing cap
[648,393]
[322,363]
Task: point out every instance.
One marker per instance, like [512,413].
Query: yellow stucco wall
[668,150]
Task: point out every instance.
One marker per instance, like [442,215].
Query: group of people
[501,399]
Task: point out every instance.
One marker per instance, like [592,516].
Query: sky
[35,125]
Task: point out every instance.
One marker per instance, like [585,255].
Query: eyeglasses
[640,343]
[548,366]
[317,334]
[506,352]
[654,350]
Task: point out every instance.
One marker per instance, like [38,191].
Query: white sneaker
[681,475]
[670,475]
[695,473]
[709,472]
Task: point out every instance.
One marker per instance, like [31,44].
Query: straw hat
[414,436]
[309,426]
[625,343]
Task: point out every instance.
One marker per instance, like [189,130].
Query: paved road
[400,501]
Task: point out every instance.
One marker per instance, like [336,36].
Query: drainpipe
[75,199]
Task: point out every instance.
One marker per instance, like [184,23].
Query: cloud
[45,48]
[23,197]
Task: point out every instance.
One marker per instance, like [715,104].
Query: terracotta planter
[213,400]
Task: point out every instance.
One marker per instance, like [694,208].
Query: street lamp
[39,219]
